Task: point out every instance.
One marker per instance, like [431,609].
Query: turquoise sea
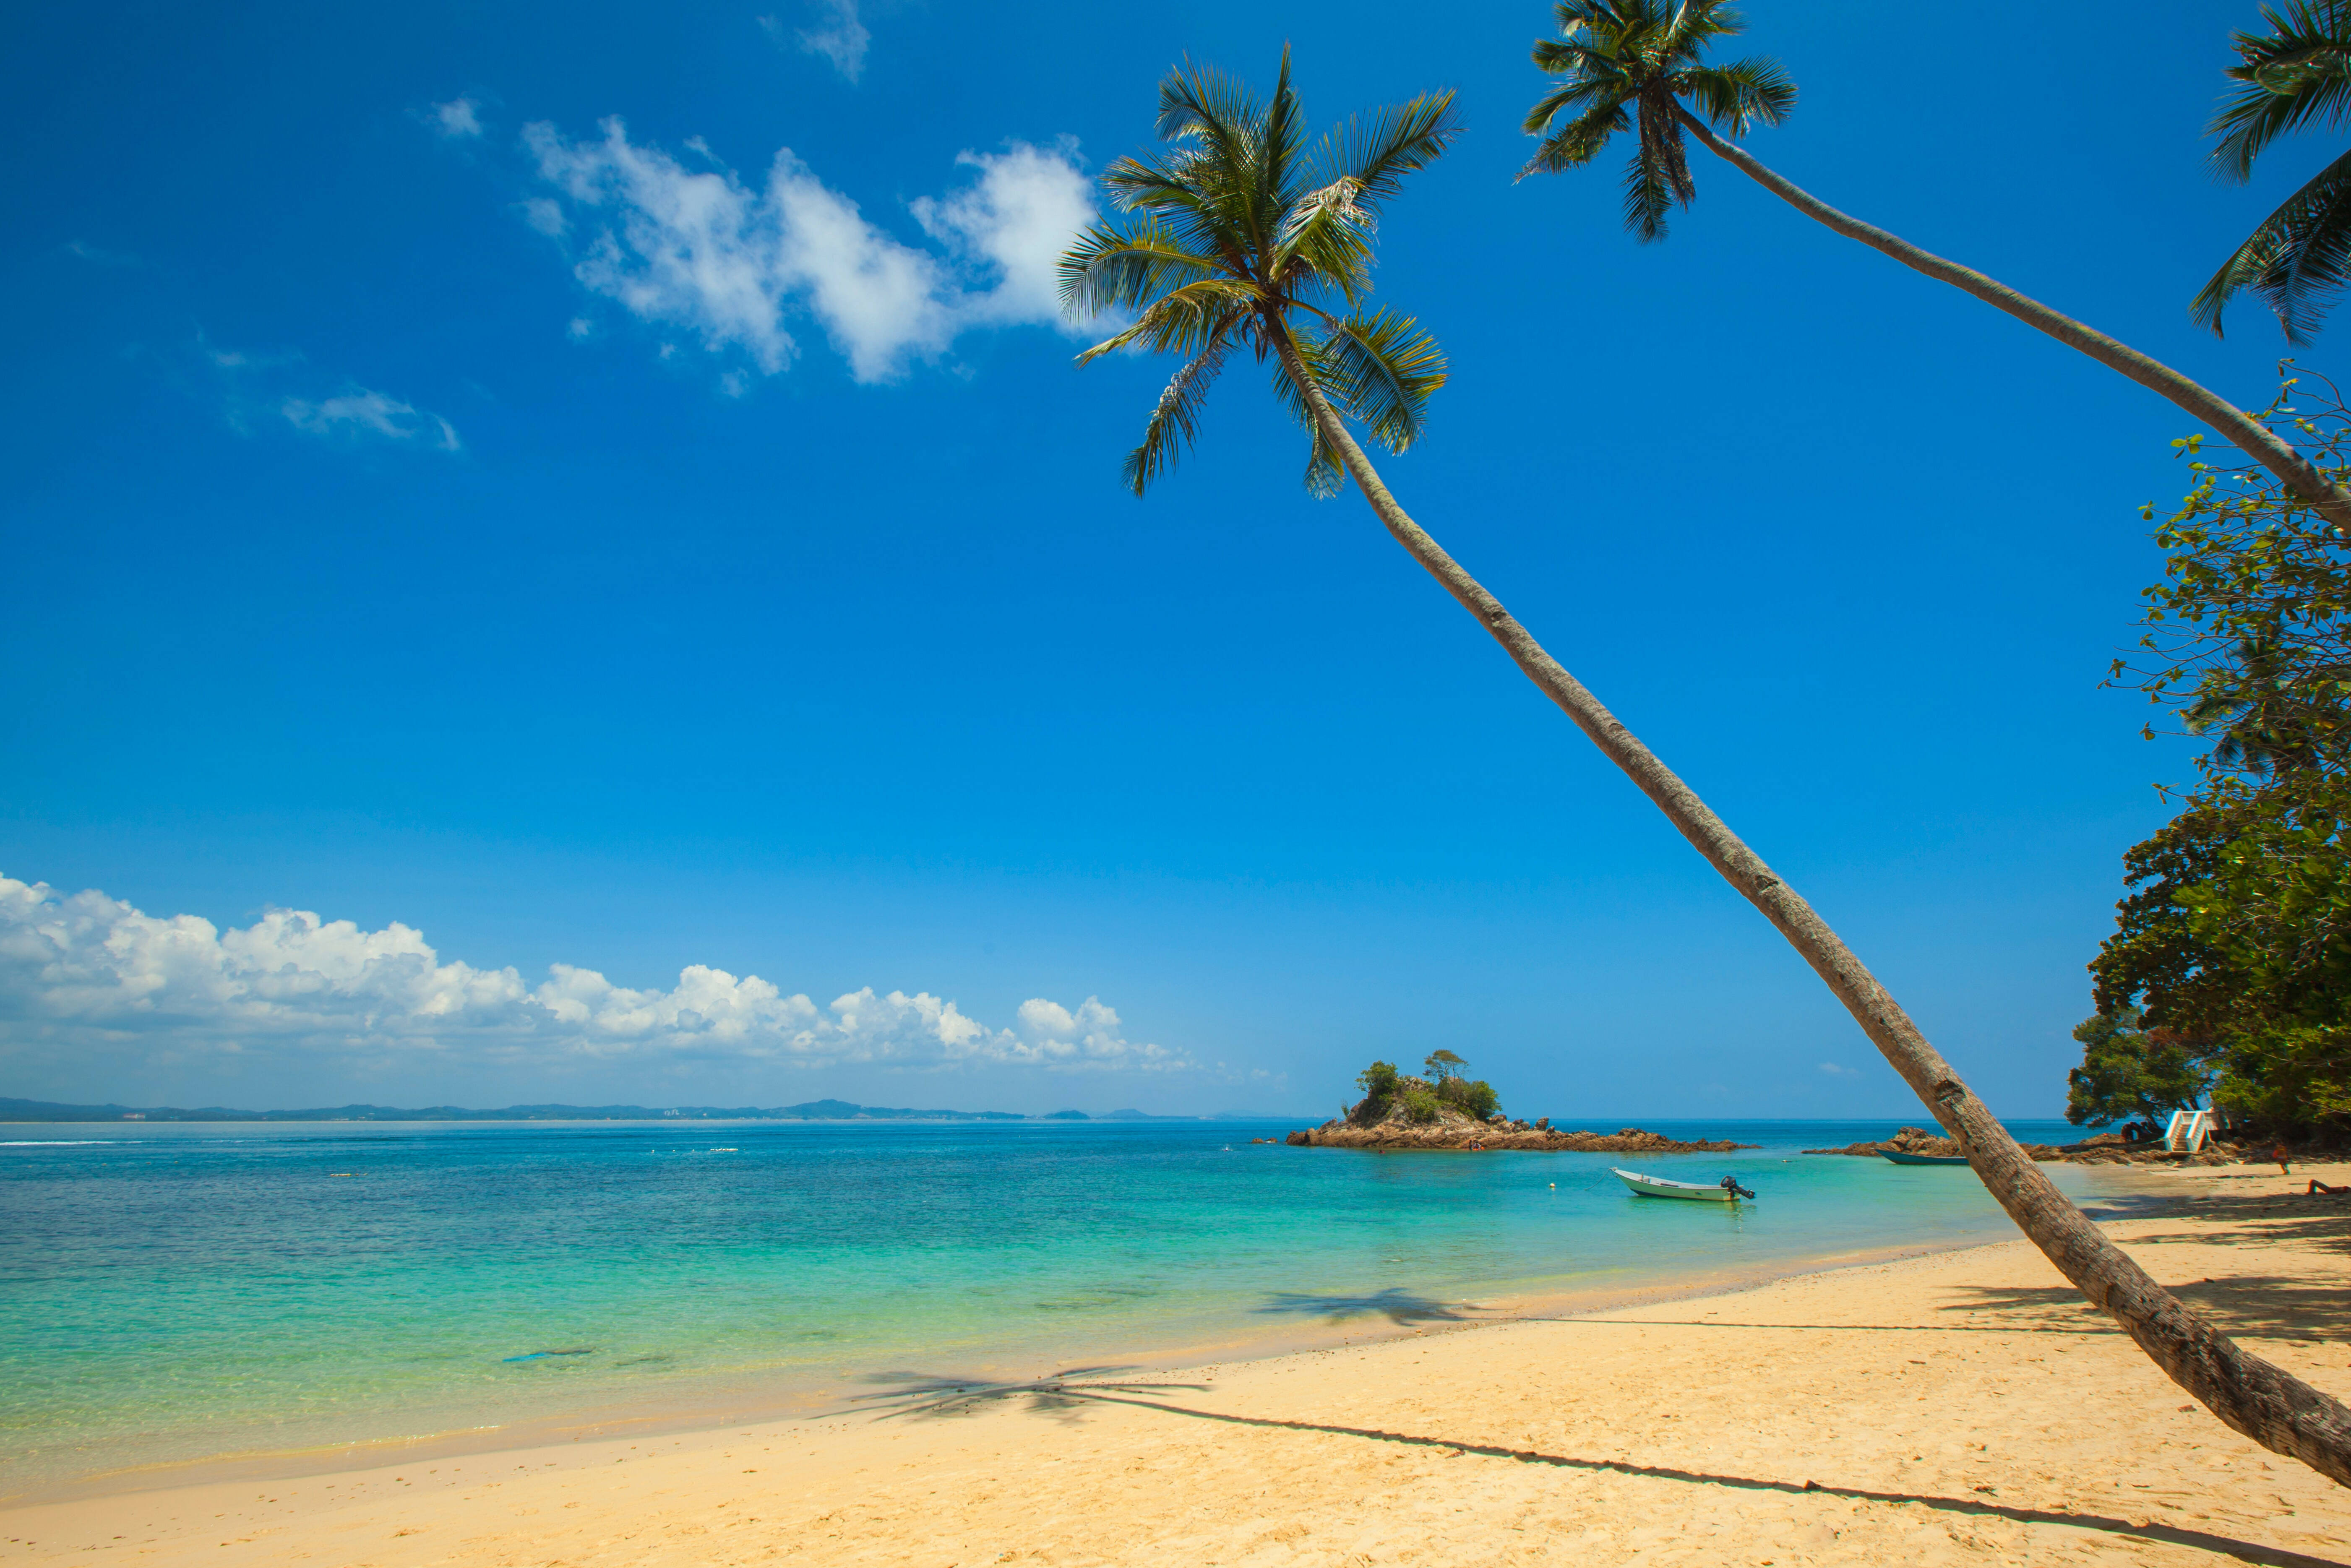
[178,1293]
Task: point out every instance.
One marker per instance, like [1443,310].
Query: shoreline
[1951,1406]
[694,1408]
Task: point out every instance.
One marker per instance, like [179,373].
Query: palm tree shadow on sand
[1063,1395]
[1399,1307]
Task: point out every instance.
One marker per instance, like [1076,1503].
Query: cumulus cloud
[368,414]
[87,972]
[700,250]
[459,118]
[1016,221]
[842,37]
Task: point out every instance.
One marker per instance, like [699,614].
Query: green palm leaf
[1627,65]
[1383,368]
[1231,231]
[2297,73]
[2301,253]
[1175,423]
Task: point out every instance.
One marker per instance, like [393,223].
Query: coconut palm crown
[1236,235]
[2298,72]
[1625,64]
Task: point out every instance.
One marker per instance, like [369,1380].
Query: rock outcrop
[1451,1129]
[2106,1149]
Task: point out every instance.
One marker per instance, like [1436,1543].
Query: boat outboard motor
[1730,1185]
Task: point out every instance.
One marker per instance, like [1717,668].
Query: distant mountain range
[814,1110]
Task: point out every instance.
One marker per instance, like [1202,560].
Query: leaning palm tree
[1638,65]
[1234,236]
[2299,71]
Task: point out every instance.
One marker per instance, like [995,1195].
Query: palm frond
[2299,256]
[1110,267]
[1575,94]
[1324,477]
[1183,321]
[1381,370]
[1229,232]
[1378,150]
[1755,90]
[1174,422]
[1326,235]
[2299,71]
[1278,147]
[1648,196]
[1624,62]
[1579,141]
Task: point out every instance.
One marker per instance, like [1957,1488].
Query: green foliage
[2248,637]
[1420,1101]
[2129,1074]
[2235,937]
[1472,1096]
[1627,65]
[1441,1065]
[2297,73]
[1237,235]
[1379,1082]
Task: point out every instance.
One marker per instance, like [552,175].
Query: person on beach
[2284,1157]
[2320,1189]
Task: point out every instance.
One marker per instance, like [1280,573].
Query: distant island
[1444,1108]
[812,1111]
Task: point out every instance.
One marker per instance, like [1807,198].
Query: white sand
[1965,1407]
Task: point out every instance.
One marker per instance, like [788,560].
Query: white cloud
[363,412]
[1017,219]
[86,972]
[1834,1070]
[704,251]
[841,39]
[459,118]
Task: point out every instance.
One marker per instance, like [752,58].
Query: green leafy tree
[1234,236]
[1639,66]
[2132,1074]
[1379,1082]
[1420,1102]
[2248,637]
[2296,73]
[2236,930]
[1471,1097]
[1442,1065]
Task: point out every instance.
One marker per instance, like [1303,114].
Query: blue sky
[423,519]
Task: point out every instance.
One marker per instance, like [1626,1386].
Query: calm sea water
[172,1293]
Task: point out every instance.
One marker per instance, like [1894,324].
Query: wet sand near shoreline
[1960,1408]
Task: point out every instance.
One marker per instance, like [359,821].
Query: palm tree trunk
[2274,1408]
[2297,472]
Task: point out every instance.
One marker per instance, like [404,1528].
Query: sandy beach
[1961,1408]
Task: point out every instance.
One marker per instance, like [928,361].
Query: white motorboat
[1727,1190]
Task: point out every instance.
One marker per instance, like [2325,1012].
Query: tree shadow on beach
[2247,1307]
[1399,1307]
[928,1396]
[1063,1395]
[2320,1221]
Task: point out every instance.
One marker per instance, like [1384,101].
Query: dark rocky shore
[2106,1149]
[1452,1130]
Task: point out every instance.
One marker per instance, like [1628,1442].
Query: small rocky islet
[1444,1108]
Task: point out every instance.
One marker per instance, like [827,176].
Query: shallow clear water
[172,1293]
